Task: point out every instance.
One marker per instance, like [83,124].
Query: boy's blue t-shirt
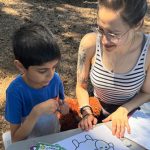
[21,98]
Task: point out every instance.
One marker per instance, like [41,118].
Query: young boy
[35,96]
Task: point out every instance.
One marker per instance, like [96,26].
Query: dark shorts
[110,108]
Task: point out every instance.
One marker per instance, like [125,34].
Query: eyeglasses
[111,36]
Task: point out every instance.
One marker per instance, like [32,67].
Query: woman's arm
[85,56]
[120,116]
[144,95]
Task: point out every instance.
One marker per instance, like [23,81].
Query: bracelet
[87,115]
[83,108]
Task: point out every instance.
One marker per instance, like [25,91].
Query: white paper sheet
[140,129]
[99,138]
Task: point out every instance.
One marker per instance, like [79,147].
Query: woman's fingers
[114,127]
[81,125]
[119,127]
[122,131]
[94,121]
[119,122]
[128,127]
[90,124]
[87,122]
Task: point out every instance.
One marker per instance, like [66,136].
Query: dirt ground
[69,20]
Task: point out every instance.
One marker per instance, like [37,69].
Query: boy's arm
[22,131]
[64,108]
[61,94]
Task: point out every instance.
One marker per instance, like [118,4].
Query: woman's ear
[139,25]
[19,66]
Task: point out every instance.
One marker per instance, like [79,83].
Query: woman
[120,69]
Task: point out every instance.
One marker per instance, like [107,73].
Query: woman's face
[114,31]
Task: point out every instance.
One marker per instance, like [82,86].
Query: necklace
[113,64]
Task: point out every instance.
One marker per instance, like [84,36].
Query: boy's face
[40,76]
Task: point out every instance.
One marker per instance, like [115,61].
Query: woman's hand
[87,122]
[119,122]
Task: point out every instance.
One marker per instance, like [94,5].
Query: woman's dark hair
[131,11]
[34,44]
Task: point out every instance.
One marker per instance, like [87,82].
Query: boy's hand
[64,108]
[47,107]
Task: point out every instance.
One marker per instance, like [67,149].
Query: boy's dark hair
[131,11]
[34,44]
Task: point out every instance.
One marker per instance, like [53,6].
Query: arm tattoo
[81,62]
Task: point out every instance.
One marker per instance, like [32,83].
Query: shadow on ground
[69,20]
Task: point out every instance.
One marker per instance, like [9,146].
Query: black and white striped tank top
[113,88]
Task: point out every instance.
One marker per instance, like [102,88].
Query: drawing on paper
[99,138]
[94,144]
